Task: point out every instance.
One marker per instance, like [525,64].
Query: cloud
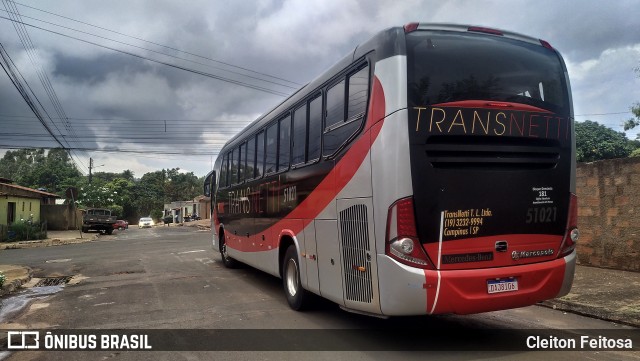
[606,84]
[291,39]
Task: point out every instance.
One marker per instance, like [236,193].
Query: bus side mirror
[209,183]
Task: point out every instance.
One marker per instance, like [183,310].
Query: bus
[430,171]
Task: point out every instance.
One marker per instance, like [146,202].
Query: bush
[25,231]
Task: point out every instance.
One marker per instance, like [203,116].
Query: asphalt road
[169,278]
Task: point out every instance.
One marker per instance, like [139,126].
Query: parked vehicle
[120,225]
[145,222]
[98,219]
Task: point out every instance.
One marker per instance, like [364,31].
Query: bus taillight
[402,243]
[571,234]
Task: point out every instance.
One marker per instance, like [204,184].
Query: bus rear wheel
[226,260]
[296,295]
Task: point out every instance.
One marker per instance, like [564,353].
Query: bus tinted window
[299,135]
[235,160]
[271,149]
[358,90]
[243,163]
[335,105]
[337,133]
[446,67]
[259,155]
[284,145]
[223,171]
[315,128]
[251,158]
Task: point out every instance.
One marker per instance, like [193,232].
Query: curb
[598,312]
[50,242]
[14,285]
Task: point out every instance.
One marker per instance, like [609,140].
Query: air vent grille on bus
[355,254]
[492,153]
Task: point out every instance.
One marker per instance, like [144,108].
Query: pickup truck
[98,219]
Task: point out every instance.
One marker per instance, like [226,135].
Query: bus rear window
[454,66]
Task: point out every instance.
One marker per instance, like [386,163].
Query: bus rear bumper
[412,291]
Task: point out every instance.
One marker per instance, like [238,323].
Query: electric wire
[162,45]
[209,75]
[160,53]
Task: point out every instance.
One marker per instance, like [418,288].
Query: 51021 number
[542,215]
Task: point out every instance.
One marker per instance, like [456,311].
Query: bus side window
[242,174]
[260,154]
[284,144]
[335,106]
[340,127]
[235,161]
[223,170]
[271,149]
[299,136]
[315,128]
[251,158]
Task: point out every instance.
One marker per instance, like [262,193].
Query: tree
[635,109]
[31,168]
[596,142]
[632,123]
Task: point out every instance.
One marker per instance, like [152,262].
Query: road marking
[104,304]
[185,252]
[58,260]
[205,260]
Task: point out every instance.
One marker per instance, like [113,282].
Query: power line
[161,45]
[132,151]
[33,55]
[10,65]
[236,82]
[594,114]
[159,52]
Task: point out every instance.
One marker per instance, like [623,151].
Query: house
[21,203]
[200,206]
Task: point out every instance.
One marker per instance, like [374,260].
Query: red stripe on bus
[328,188]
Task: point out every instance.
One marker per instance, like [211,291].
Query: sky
[151,84]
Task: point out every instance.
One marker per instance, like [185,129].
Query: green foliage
[3,279]
[156,214]
[632,123]
[32,168]
[25,231]
[127,197]
[635,153]
[597,142]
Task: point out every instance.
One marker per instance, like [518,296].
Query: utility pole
[90,166]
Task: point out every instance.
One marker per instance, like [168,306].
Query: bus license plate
[498,286]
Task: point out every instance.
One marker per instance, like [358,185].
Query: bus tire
[226,259]
[296,295]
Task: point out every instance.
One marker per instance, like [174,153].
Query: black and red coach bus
[431,170]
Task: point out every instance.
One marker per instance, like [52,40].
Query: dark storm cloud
[95,70]
[291,39]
